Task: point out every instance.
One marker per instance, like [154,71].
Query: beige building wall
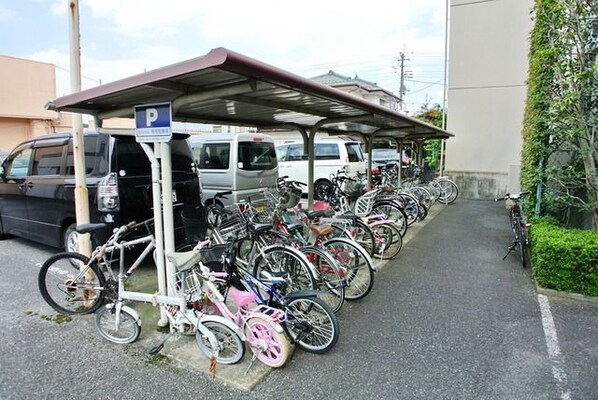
[488,66]
[25,87]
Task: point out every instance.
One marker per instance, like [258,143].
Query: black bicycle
[518,225]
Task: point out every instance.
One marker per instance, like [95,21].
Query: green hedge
[564,259]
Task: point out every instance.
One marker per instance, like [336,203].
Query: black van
[37,185]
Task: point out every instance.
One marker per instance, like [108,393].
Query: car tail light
[375,170]
[108,200]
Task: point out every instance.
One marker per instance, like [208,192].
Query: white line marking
[552,344]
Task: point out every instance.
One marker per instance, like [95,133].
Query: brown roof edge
[212,59]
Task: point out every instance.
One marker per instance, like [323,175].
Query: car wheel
[71,239]
[323,189]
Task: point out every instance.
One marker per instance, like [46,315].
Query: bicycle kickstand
[155,350]
[251,363]
[510,249]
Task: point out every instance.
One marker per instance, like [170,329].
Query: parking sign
[153,123]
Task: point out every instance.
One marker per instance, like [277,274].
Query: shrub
[564,259]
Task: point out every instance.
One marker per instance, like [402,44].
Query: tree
[432,147]
[561,119]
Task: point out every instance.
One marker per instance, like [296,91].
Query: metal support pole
[159,258]
[168,213]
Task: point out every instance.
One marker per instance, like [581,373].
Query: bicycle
[309,322]
[93,287]
[518,225]
[260,324]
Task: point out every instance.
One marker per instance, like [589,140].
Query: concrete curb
[568,296]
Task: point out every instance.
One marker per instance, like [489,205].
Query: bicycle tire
[231,348]
[311,324]
[105,323]
[522,244]
[283,259]
[449,191]
[393,211]
[423,195]
[356,264]
[260,333]
[358,231]
[392,240]
[66,289]
[330,280]
[411,207]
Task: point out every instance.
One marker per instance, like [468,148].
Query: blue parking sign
[153,123]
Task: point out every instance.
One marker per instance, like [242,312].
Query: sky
[120,38]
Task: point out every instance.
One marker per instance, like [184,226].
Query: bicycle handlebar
[512,196]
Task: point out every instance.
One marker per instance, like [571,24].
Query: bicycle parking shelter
[227,88]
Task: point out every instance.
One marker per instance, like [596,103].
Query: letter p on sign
[151,115]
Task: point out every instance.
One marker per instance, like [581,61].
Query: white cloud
[308,37]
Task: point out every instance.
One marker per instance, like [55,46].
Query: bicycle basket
[188,283]
[353,189]
[211,257]
[290,198]
[233,227]
[261,211]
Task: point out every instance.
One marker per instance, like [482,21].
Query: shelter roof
[228,88]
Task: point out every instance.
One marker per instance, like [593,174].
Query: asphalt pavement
[447,319]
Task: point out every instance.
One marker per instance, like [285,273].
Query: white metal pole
[158,225]
[81,197]
[167,212]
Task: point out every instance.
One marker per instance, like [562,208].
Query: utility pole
[81,197]
[403,74]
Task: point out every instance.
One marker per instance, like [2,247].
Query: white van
[330,156]
[244,163]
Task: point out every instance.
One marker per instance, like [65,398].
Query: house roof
[225,87]
[337,80]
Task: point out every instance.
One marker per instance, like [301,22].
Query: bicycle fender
[303,293]
[380,222]
[128,309]
[223,321]
[387,202]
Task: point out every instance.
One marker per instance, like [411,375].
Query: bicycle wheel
[388,240]
[272,347]
[449,191]
[126,330]
[355,263]
[330,279]
[522,244]
[394,212]
[311,324]
[230,346]
[279,259]
[423,195]
[66,289]
[364,236]
[411,207]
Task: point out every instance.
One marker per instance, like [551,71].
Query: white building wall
[488,66]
